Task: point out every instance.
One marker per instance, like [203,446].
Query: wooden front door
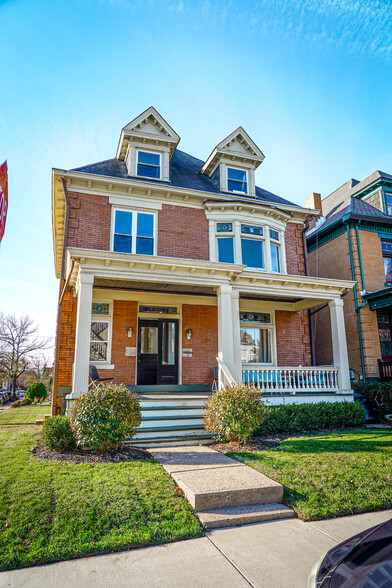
[157,358]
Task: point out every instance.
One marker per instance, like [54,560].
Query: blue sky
[309,81]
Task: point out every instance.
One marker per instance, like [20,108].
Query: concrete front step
[243,515]
[168,422]
[178,441]
[170,431]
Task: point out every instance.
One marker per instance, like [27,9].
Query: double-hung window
[388,202]
[386,247]
[252,246]
[256,332]
[133,232]
[237,180]
[275,255]
[225,242]
[148,164]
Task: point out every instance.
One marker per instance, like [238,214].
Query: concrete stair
[222,491]
[171,419]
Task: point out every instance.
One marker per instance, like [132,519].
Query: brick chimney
[314,201]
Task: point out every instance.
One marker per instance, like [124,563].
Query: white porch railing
[224,376]
[292,380]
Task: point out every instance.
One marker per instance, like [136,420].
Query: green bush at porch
[234,413]
[295,418]
[57,434]
[378,397]
[105,417]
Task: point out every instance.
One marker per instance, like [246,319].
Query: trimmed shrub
[24,402]
[57,434]
[378,397]
[105,417]
[295,418]
[36,391]
[234,413]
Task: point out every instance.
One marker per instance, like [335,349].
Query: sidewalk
[275,554]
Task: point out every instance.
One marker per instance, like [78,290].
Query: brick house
[353,240]
[170,266]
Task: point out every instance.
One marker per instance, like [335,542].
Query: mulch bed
[80,456]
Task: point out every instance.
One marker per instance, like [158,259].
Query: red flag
[3,197]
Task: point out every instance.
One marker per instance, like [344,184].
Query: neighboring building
[167,262]
[353,240]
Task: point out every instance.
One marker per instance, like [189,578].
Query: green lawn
[50,511]
[329,475]
[24,415]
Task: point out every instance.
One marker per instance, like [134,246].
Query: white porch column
[339,345]
[82,341]
[235,312]
[225,327]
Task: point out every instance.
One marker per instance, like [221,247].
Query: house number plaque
[130,351]
[187,353]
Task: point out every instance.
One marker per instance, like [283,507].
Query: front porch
[180,319]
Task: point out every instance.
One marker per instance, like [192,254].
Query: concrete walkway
[224,492]
[276,554]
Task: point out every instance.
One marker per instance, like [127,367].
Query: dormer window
[237,180]
[149,164]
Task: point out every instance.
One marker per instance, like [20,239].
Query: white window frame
[276,242]
[103,318]
[267,326]
[135,213]
[152,153]
[227,179]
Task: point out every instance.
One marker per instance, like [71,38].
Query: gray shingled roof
[184,173]
[356,207]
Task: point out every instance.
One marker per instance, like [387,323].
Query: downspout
[60,302]
[357,306]
[311,330]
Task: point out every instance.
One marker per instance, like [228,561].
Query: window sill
[102,366]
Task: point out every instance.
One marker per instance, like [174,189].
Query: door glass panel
[149,340]
[168,343]
[255,345]
[385,341]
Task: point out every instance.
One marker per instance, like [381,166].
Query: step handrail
[224,375]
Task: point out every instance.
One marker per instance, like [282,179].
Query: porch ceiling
[152,287]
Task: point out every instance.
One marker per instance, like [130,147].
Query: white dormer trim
[239,148]
[149,129]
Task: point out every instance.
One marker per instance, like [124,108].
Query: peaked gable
[237,146]
[148,127]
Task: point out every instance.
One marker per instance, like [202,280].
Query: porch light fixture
[130,332]
[189,333]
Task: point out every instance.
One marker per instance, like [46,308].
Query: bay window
[133,232]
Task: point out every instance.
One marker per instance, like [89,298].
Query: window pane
[226,250]
[149,340]
[224,227]
[168,343]
[123,224]
[252,253]
[98,351]
[122,244]
[252,230]
[236,174]
[386,246]
[388,268]
[237,186]
[144,246]
[99,335]
[385,341]
[388,199]
[255,345]
[275,258]
[145,225]
[99,331]
[147,171]
[274,235]
[149,158]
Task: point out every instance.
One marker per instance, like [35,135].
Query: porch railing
[385,370]
[224,375]
[292,380]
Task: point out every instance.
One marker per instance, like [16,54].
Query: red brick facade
[295,257]
[183,232]
[293,340]
[203,320]
[89,221]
